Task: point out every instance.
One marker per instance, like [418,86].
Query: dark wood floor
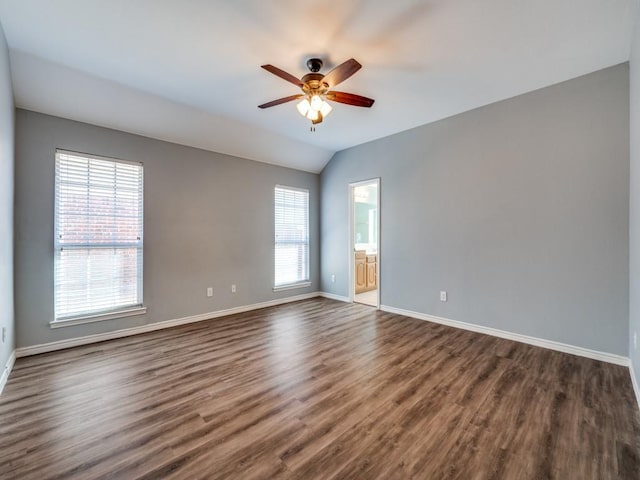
[316,390]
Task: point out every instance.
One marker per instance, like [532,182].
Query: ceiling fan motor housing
[313,84]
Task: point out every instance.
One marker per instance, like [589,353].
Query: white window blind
[98,235]
[291,236]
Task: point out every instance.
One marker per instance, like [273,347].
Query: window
[98,238]
[291,237]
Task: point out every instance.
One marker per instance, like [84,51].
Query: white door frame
[351,229]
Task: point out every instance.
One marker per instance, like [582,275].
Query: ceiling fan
[316,89]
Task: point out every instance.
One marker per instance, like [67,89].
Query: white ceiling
[188,71]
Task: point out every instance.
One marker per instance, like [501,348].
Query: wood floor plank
[317,389]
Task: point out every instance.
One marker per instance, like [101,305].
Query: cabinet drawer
[361,254]
[371,258]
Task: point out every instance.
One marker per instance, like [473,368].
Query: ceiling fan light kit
[316,90]
[311,108]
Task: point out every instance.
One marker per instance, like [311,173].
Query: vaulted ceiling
[188,71]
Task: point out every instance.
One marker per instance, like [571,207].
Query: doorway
[364,248]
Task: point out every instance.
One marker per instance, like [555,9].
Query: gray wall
[6,203]
[518,209]
[634,203]
[208,222]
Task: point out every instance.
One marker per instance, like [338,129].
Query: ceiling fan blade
[350,99]
[282,74]
[341,72]
[280,100]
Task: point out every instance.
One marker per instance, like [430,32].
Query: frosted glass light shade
[316,102]
[312,114]
[325,109]
[303,107]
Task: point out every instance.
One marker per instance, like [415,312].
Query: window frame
[304,282]
[120,311]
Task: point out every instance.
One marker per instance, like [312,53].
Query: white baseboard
[538,342]
[100,337]
[634,382]
[7,370]
[126,332]
[333,296]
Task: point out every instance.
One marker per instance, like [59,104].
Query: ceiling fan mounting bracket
[314,64]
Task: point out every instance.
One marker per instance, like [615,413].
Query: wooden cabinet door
[371,276]
[361,275]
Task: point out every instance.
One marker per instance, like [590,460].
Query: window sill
[69,322]
[291,286]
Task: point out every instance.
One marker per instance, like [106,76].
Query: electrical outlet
[4,334]
[233,288]
[443,296]
[635,340]
[210,292]
[333,279]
